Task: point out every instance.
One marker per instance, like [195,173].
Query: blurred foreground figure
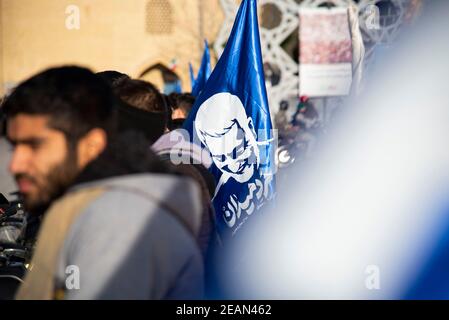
[369,218]
[112,226]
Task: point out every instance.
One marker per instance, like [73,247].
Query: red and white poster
[325,52]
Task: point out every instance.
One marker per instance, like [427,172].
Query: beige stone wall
[1,52]
[112,35]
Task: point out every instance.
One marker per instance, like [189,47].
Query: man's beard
[53,185]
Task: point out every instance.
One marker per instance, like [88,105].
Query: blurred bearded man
[107,232]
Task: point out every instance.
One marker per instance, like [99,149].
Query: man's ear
[91,146]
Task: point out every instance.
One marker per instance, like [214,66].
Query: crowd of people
[90,155]
[108,214]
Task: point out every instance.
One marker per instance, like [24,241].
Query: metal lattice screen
[159,17]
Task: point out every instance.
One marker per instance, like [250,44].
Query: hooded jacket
[120,233]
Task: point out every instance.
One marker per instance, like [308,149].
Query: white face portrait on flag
[224,128]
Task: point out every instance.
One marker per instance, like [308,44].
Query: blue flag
[231,119]
[203,74]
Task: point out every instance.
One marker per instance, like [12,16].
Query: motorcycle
[15,255]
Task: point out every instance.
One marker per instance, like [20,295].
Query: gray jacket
[135,241]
